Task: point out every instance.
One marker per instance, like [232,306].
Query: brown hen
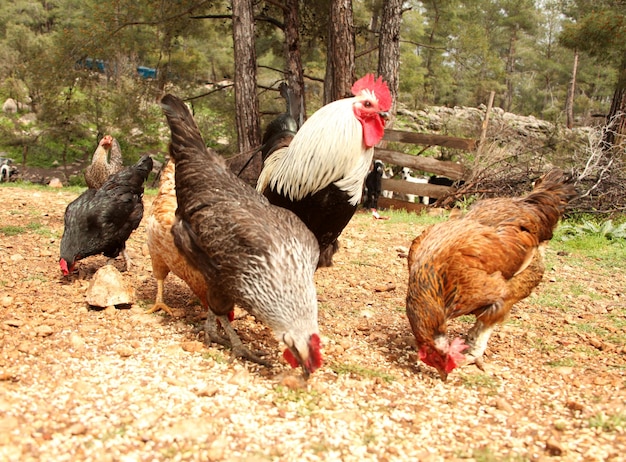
[480,264]
[101,166]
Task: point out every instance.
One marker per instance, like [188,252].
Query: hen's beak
[306,372]
[443,375]
[384,115]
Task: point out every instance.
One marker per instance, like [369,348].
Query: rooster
[480,264]
[100,221]
[250,252]
[320,175]
[101,167]
[281,130]
[164,255]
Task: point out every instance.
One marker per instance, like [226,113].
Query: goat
[406,175]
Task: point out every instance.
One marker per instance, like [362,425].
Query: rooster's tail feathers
[186,135]
[549,198]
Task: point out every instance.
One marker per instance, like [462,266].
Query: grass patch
[564,362]
[302,402]
[541,345]
[608,423]
[345,368]
[481,381]
[486,455]
[11,230]
[216,356]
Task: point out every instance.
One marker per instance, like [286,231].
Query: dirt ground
[121,385]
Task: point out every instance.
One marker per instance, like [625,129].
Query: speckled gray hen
[251,253]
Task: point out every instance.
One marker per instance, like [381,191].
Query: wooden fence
[447,169]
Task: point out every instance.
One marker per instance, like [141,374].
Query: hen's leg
[478,335]
[238,348]
[159,304]
[127,259]
[210,330]
[477,338]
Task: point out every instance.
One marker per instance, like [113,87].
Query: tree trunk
[569,102]
[616,120]
[246,98]
[389,47]
[340,72]
[510,69]
[295,73]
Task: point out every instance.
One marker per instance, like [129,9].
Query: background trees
[75,64]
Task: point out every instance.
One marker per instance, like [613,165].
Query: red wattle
[290,358]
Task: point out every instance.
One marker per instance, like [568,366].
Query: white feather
[327,149]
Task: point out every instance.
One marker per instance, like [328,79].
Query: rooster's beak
[384,115]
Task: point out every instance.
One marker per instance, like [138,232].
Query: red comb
[377,86]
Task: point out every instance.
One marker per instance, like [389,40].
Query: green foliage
[608,423]
[606,230]
[11,230]
[355,369]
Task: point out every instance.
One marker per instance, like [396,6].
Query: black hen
[100,221]
[250,252]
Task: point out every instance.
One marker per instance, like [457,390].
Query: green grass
[564,362]
[303,402]
[608,423]
[345,368]
[11,230]
[481,381]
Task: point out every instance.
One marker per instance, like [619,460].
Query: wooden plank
[386,203]
[430,140]
[418,189]
[448,169]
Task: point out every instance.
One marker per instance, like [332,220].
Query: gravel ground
[120,385]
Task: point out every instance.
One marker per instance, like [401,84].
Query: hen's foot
[211,335]
[476,360]
[237,347]
[159,306]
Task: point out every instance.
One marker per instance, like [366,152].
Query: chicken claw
[476,360]
[159,306]
[233,341]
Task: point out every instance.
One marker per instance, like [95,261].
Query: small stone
[293,382]
[554,447]
[77,342]
[16,257]
[14,322]
[208,392]
[6,301]
[44,330]
[193,346]
[574,406]
[503,405]
[125,351]
[77,429]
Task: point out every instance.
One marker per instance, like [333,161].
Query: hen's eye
[367,104]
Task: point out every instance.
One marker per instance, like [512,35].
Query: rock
[193,346]
[554,447]
[109,288]
[6,301]
[55,183]
[9,106]
[44,330]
